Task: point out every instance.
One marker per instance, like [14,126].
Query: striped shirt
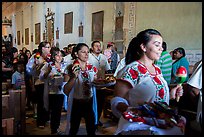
[165,64]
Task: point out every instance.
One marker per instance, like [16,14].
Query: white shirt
[52,86]
[120,66]
[100,62]
[68,59]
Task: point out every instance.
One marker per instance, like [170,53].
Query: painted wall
[62,9]
[179,22]
[109,21]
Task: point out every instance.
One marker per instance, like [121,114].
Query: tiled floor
[108,128]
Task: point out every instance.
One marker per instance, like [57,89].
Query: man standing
[101,63]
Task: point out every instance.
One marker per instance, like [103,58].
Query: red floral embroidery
[89,66]
[133,73]
[158,70]
[58,70]
[95,69]
[76,62]
[142,69]
[48,57]
[161,93]
[157,80]
[52,64]
[85,74]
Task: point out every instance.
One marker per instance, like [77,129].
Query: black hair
[18,63]
[54,51]
[34,51]
[77,48]
[96,41]
[134,51]
[181,51]
[164,46]
[63,53]
[28,51]
[42,44]
[70,45]
[14,50]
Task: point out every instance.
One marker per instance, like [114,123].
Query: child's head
[19,66]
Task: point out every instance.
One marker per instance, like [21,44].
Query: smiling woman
[141,81]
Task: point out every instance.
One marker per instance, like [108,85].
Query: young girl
[82,96]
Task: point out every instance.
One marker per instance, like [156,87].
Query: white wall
[66,7]
[108,26]
[179,22]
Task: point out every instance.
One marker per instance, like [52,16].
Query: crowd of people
[59,80]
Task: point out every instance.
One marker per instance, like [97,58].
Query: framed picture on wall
[81,30]
[37,33]
[31,37]
[119,28]
[97,25]
[27,36]
[18,38]
[68,22]
[57,34]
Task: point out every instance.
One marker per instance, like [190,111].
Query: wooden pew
[8,126]
[7,117]
[17,103]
